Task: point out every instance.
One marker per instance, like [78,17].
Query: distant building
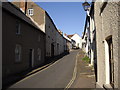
[23,42]
[69,43]
[77,39]
[89,36]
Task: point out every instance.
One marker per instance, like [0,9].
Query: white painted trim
[107,66]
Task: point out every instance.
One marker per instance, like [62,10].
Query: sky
[69,17]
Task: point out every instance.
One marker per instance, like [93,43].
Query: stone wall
[106,20]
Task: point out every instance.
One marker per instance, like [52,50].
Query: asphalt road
[58,75]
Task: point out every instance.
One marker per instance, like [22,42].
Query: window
[18,53]
[30,12]
[18,27]
[39,54]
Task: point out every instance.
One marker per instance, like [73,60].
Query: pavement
[85,77]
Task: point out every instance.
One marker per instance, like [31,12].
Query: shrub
[86,58]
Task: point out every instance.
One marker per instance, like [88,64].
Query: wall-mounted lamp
[86,5]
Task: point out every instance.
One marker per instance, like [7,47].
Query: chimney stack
[65,34]
[23,5]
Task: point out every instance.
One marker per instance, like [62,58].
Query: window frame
[18,52]
[30,11]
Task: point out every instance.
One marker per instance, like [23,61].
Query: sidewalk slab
[85,74]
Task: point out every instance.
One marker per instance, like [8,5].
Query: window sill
[107,87]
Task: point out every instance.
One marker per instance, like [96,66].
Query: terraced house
[22,40]
[54,39]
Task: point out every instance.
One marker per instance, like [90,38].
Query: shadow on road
[19,76]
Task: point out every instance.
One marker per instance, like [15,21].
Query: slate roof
[17,12]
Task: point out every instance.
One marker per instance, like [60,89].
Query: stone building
[69,43]
[86,39]
[89,35]
[23,42]
[54,39]
[77,39]
[107,22]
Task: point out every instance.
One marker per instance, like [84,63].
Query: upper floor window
[18,53]
[30,12]
[18,27]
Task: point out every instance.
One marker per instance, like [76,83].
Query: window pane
[30,12]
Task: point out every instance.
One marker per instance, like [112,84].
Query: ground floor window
[18,53]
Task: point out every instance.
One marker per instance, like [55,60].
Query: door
[31,58]
[111,62]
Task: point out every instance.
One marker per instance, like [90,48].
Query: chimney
[23,5]
[65,34]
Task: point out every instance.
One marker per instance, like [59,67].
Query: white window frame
[17,53]
[30,12]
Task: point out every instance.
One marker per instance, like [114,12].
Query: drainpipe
[25,6]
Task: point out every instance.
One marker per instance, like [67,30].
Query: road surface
[57,75]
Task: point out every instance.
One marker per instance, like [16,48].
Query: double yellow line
[74,75]
[48,66]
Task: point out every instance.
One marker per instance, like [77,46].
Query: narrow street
[60,45]
[57,75]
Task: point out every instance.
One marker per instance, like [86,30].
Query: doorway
[31,58]
[109,61]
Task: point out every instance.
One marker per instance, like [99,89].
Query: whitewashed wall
[77,39]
